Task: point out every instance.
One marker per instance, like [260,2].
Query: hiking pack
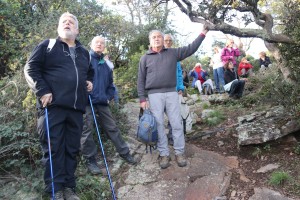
[51,44]
[147,129]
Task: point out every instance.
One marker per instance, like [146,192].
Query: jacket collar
[78,44]
[99,57]
[150,51]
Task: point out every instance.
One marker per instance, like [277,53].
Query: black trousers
[237,88]
[65,126]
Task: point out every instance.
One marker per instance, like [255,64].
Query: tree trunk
[282,64]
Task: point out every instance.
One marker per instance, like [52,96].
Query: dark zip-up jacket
[103,88]
[55,72]
[230,75]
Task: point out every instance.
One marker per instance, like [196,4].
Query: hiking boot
[181,161]
[164,161]
[128,158]
[69,194]
[204,90]
[58,195]
[92,166]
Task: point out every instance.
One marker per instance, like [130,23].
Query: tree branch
[261,19]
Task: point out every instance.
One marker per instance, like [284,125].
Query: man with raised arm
[157,81]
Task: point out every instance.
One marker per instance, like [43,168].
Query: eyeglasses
[168,40]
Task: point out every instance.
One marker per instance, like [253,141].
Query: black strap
[141,113]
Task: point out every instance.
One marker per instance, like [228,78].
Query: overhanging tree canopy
[218,14]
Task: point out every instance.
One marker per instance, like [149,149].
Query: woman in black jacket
[234,84]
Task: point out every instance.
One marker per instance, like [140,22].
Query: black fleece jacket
[55,72]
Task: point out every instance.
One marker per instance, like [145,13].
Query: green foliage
[215,118]
[279,178]
[297,149]
[92,187]
[191,90]
[127,77]
[267,147]
[205,62]
[290,53]
[205,106]
[257,151]
[189,63]
[16,142]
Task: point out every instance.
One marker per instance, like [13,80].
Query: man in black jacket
[101,95]
[61,78]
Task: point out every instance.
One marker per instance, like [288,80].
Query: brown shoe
[164,161]
[181,161]
[69,194]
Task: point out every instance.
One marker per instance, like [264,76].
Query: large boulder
[261,127]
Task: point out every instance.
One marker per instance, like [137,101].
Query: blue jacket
[195,76]
[103,88]
[55,72]
[179,85]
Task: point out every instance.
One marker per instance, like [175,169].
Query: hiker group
[74,86]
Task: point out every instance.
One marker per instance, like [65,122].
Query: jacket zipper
[76,70]
[77,79]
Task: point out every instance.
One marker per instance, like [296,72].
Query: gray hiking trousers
[167,102]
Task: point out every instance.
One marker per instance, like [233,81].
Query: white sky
[189,30]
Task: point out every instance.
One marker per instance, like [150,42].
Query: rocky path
[206,177]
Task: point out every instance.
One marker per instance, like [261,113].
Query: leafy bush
[127,76]
[215,118]
[17,145]
[279,178]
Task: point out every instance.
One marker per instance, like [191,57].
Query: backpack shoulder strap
[51,44]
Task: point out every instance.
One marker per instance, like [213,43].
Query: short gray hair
[98,36]
[67,14]
[171,36]
[153,31]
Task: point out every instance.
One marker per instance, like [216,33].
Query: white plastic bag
[185,115]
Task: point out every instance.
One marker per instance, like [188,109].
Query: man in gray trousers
[157,79]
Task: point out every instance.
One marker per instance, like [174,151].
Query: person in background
[61,79]
[245,68]
[186,80]
[218,70]
[199,78]
[236,88]
[102,93]
[230,53]
[264,61]
[157,80]
[168,42]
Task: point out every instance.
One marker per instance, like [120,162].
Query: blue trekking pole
[102,150]
[49,149]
